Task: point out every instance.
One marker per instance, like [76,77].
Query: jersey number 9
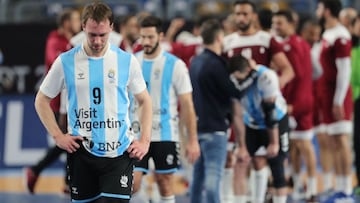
[97,95]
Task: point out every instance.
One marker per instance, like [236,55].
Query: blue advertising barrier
[23,139]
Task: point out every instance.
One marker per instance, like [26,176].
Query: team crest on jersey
[170,159]
[124,181]
[157,74]
[287,47]
[111,76]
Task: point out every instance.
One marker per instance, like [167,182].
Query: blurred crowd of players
[319,98]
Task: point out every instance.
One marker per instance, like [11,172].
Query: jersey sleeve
[268,83]
[136,83]
[342,48]
[275,47]
[54,80]
[181,78]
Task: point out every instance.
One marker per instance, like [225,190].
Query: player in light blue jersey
[168,83]
[266,121]
[97,77]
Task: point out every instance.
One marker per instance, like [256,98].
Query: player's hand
[192,151]
[338,112]
[138,149]
[242,155]
[272,150]
[68,142]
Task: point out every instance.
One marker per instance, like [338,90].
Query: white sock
[311,187]
[227,189]
[279,199]
[168,199]
[339,183]
[261,179]
[240,198]
[327,180]
[297,181]
[347,185]
[155,194]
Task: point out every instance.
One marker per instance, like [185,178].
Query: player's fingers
[77,138]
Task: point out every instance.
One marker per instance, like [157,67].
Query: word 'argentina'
[94,123]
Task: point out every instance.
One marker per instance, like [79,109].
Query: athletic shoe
[340,197]
[312,199]
[30,179]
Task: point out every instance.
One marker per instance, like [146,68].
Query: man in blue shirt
[212,93]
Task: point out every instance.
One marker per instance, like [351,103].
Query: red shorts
[326,104]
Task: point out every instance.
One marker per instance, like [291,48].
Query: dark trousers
[356,137]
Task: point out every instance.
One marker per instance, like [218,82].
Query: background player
[168,81]
[266,121]
[336,104]
[298,95]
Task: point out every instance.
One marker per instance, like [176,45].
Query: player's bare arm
[64,141]
[139,148]
[272,127]
[282,65]
[242,153]
[188,113]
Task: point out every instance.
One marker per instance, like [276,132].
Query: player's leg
[141,168]
[326,159]
[261,176]
[277,163]
[296,175]
[302,136]
[167,161]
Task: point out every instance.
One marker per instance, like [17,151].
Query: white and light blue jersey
[166,77]
[266,86]
[98,99]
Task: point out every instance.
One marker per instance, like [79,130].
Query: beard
[244,27]
[132,37]
[152,50]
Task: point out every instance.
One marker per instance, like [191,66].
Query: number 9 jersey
[97,101]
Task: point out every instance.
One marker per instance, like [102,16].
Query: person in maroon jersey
[129,30]
[335,92]
[57,42]
[298,95]
[260,46]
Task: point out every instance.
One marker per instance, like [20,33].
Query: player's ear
[161,36]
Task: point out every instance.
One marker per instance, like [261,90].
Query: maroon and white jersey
[260,46]
[336,43]
[298,92]
[334,86]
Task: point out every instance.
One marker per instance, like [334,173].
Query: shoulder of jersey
[267,76]
[335,33]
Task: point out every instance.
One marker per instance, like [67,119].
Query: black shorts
[92,177]
[256,138]
[165,156]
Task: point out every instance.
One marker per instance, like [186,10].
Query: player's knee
[278,172]
[164,182]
